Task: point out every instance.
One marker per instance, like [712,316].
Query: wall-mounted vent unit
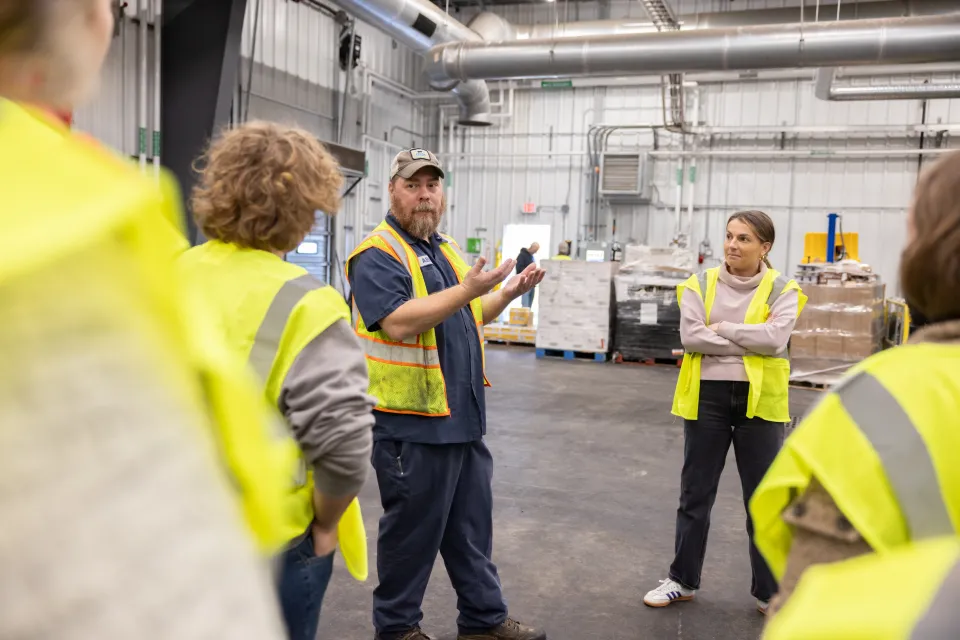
[622,176]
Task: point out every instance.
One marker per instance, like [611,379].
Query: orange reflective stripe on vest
[405,376]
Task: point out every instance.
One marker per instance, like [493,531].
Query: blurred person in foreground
[118,521]
[260,191]
[878,608]
[873,467]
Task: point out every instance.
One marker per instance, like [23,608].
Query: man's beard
[421,221]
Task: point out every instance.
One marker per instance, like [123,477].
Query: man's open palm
[479,282]
[524,282]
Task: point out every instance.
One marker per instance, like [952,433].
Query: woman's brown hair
[261,185]
[930,264]
[762,226]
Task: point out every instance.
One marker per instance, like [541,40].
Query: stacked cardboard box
[497,332]
[841,325]
[521,317]
[574,300]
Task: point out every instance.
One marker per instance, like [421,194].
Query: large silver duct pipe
[495,28]
[420,25]
[859,42]
[826,90]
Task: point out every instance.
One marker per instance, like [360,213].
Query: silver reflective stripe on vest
[267,343]
[702,280]
[396,354]
[902,451]
[942,620]
[395,244]
[779,284]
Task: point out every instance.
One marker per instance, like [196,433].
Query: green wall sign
[474,245]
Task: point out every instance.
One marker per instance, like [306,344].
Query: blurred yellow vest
[64,195]
[907,594]
[884,444]
[270,310]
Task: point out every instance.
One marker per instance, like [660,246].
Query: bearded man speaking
[419,311]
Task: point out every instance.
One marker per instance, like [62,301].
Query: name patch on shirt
[425,261]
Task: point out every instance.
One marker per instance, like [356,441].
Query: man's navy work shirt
[379,285]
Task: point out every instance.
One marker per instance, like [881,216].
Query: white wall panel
[536,153]
[495,172]
[112,115]
[301,41]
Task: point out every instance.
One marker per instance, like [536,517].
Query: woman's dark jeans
[721,420]
[303,582]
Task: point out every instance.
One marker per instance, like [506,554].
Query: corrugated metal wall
[538,156]
[536,153]
[496,171]
[113,115]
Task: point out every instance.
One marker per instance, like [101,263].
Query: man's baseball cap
[409,161]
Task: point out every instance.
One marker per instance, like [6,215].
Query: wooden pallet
[571,355]
[672,362]
[511,343]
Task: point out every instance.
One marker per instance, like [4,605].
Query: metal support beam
[199,63]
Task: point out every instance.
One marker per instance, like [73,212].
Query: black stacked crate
[638,335]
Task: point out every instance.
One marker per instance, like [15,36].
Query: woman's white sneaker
[668,591]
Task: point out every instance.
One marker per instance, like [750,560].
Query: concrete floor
[586,485]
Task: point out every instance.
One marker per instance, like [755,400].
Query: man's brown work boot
[510,629]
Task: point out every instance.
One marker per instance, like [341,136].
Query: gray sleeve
[325,401]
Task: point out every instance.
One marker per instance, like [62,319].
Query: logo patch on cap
[419,154]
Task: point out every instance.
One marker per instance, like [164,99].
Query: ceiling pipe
[826,90]
[420,25]
[500,29]
[825,44]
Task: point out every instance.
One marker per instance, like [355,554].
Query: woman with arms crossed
[736,320]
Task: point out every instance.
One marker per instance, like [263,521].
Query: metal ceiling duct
[824,44]
[420,25]
[749,17]
[826,90]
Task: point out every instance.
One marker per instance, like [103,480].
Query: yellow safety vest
[405,377]
[769,376]
[908,594]
[66,196]
[270,310]
[883,444]
[560,257]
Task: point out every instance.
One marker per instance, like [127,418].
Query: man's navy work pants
[435,498]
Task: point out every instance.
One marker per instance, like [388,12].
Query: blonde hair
[261,185]
[57,34]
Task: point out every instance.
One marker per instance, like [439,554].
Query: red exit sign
[529,207]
